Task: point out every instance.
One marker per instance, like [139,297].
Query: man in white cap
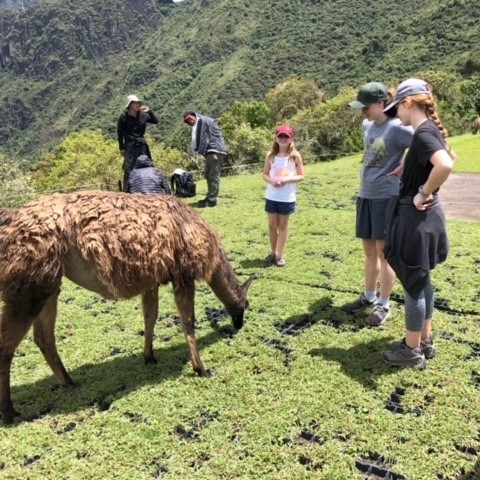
[131,127]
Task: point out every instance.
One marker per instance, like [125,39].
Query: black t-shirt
[426,141]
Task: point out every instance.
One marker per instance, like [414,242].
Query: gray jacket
[207,137]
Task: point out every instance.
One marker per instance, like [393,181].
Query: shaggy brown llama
[118,245]
[476,126]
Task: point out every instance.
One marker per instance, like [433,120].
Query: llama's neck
[226,286]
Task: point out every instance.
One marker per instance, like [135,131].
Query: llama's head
[237,309]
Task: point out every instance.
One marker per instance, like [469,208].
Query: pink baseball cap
[285,130]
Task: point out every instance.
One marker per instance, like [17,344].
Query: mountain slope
[75,63]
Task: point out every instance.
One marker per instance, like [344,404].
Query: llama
[115,244]
[476,126]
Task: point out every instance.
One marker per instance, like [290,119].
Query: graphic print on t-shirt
[280,168]
[375,154]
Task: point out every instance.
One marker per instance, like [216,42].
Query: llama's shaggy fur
[118,245]
[476,126]
[6,215]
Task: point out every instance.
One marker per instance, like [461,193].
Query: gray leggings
[416,311]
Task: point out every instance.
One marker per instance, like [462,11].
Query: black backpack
[183,184]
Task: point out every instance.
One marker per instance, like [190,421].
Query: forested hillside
[68,64]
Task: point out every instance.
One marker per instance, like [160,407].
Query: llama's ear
[247,284]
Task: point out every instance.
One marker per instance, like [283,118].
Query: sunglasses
[282,135]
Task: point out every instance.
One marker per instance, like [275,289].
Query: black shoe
[202,203]
[211,203]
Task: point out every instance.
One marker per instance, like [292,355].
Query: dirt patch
[460,196]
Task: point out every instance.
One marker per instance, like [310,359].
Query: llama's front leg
[44,337]
[185,298]
[150,314]
[14,325]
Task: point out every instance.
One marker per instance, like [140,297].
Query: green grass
[131,421]
[467,148]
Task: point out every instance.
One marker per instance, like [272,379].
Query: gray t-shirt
[385,145]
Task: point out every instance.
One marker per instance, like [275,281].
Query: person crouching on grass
[282,171]
[416,237]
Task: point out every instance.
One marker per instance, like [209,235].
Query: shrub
[15,185]
[329,129]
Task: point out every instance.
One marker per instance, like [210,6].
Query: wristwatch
[422,192]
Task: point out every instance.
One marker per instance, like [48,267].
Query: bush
[247,145]
[329,129]
[292,96]
[15,185]
[83,160]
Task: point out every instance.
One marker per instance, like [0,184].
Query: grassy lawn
[467,148]
[299,393]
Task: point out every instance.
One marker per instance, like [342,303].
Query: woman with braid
[416,238]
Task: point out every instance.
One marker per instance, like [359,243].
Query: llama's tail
[6,216]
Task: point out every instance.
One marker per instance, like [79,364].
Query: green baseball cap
[371,92]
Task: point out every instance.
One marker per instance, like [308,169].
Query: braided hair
[428,104]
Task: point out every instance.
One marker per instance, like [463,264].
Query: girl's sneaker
[403,356]
[281,262]
[427,346]
[270,259]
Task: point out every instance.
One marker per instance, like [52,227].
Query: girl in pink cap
[282,171]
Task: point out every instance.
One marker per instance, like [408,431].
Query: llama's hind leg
[15,322]
[44,337]
[150,314]
[185,298]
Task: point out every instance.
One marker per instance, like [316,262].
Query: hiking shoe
[357,304]
[270,259]
[403,356]
[378,316]
[206,203]
[428,348]
[281,262]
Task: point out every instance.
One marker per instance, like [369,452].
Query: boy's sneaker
[378,316]
[428,348]
[281,262]
[357,304]
[403,356]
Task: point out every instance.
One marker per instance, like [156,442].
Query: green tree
[167,159]
[329,129]
[469,106]
[291,96]
[83,160]
[247,145]
[254,114]
[15,185]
